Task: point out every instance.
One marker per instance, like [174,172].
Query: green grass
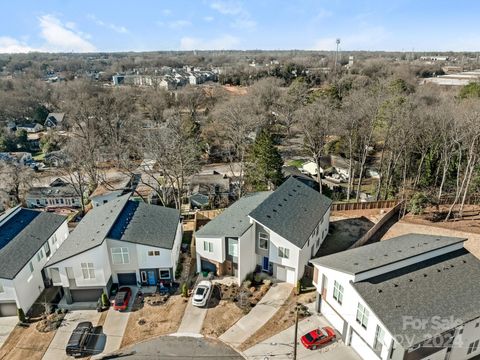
[297,163]
[39,156]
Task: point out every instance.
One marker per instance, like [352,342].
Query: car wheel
[314,347]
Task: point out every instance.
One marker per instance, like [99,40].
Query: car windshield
[321,333]
[120,298]
[200,290]
[309,337]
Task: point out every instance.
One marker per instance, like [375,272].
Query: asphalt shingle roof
[234,220]
[22,236]
[121,219]
[293,211]
[445,286]
[386,252]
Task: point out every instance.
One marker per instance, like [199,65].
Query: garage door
[291,276]
[8,309]
[127,279]
[87,295]
[281,273]
[208,266]
[361,347]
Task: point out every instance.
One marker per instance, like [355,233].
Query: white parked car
[202,293]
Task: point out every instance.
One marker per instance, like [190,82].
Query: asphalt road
[178,348]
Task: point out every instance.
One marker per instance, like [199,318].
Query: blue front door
[265,263]
[151,277]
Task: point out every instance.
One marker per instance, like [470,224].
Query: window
[38,201]
[378,342]
[88,270]
[61,201]
[164,274]
[153,253]
[46,248]
[362,315]
[54,238]
[283,252]
[263,241]
[233,247]
[318,243]
[40,255]
[477,325]
[120,255]
[473,347]
[1,288]
[338,292]
[31,266]
[208,246]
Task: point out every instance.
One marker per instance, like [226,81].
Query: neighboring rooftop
[445,286]
[386,252]
[234,221]
[67,190]
[293,211]
[22,233]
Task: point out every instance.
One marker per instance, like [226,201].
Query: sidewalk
[258,316]
[280,346]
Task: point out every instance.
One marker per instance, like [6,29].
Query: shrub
[105,300]
[184,290]
[298,288]
[21,315]
[418,203]
[179,269]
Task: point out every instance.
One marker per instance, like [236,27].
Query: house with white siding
[413,297]
[28,239]
[277,232]
[124,242]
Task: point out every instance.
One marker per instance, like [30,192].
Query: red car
[122,299]
[318,337]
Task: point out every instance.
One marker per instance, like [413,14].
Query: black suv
[78,345]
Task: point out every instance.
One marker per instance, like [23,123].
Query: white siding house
[132,243]
[278,232]
[29,239]
[387,299]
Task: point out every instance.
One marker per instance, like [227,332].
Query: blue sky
[146,25]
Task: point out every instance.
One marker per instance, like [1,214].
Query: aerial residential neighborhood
[230,179]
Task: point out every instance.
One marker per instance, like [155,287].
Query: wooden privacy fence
[193,220]
[364,239]
[382,204]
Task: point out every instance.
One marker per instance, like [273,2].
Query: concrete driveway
[258,316]
[7,324]
[192,320]
[56,350]
[280,346]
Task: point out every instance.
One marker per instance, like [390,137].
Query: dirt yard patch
[220,318]
[26,343]
[152,321]
[282,320]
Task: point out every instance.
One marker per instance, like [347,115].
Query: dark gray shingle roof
[445,286]
[22,236]
[52,191]
[386,252]
[292,211]
[234,220]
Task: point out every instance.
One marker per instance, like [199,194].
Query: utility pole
[336,56]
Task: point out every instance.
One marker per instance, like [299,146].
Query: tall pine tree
[264,166]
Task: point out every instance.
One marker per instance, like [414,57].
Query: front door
[151,278]
[265,263]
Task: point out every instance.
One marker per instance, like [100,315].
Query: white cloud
[367,38]
[61,38]
[167,12]
[221,43]
[208,18]
[179,24]
[11,45]
[323,14]
[234,9]
[111,26]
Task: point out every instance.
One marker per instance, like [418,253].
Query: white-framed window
[283,252]
[88,270]
[317,244]
[338,292]
[54,238]
[362,315]
[2,290]
[378,342]
[120,255]
[30,265]
[164,274]
[40,255]
[233,247]
[473,347]
[263,240]
[207,246]
[46,248]
[153,253]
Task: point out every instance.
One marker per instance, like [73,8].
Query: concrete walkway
[192,320]
[56,349]
[280,346]
[258,316]
[7,324]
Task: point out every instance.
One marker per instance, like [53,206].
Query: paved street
[7,324]
[192,320]
[180,348]
[56,350]
[280,346]
[258,316]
